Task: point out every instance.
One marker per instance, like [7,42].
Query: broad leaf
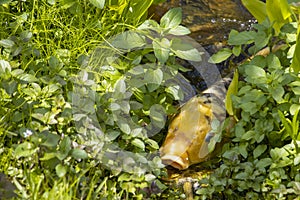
[260,149]
[161,49]
[236,38]
[138,143]
[98,3]
[257,8]
[180,30]
[172,18]
[220,56]
[129,40]
[185,50]
[279,13]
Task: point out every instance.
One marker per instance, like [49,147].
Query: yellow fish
[190,131]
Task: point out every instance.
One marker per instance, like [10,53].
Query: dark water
[210,21]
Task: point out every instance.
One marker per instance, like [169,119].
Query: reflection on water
[209,20]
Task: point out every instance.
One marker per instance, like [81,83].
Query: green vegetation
[262,159]
[86,85]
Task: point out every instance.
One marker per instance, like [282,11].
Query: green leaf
[60,170]
[10,86]
[79,154]
[262,163]
[172,18]
[49,139]
[153,77]
[245,37]
[220,56]
[179,30]
[248,135]
[243,149]
[98,3]
[232,90]
[25,149]
[112,135]
[4,65]
[185,50]
[120,86]
[129,40]
[4,2]
[152,143]
[273,62]
[157,115]
[27,78]
[260,149]
[64,148]
[138,143]
[296,57]
[255,74]
[277,93]
[161,49]
[294,108]
[48,156]
[6,43]
[125,128]
[237,50]
[278,12]
[124,177]
[175,91]
[257,8]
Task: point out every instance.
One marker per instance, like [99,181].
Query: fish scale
[189,133]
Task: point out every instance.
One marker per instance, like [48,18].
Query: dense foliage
[262,159]
[86,87]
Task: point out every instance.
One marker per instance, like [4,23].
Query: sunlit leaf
[61,170]
[4,65]
[278,12]
[236,38]
[79,154]
[179,30]
[172,18]
[257,8]
[6,43]
[129,40]
[259,150]
[220,56]
[296,56]
[161,49]
[138,143]
[25,149]
[98,3]
[232,90]
[185,50]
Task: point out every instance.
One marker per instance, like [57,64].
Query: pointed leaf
[232,90]
[129,40]
[257,8]
[161,50]
[185,50]
[172,18]
[98,3]
[220,56]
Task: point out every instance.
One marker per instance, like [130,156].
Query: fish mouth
[175,161]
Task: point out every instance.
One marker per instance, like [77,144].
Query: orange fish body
[190,132]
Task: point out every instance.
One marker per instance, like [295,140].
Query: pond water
[210,21]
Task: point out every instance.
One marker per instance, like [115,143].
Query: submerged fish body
[190,131]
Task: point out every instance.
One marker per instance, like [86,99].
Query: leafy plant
[261,161]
